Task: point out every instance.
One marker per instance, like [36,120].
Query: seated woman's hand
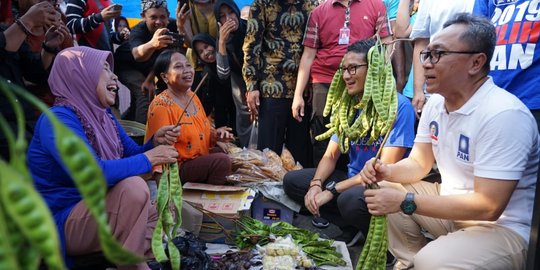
[161,154]
[224,134]
[166,135]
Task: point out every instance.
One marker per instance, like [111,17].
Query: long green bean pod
[27,255]
[174,255]
[169,207]
[157,243]
[334,91]
[8,259]
[378,104]
[28,210]
[176,194]
[157,236]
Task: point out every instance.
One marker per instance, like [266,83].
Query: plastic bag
[254,135]
[284,254]
[287,159]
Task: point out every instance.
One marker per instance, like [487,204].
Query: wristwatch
[408,206]
[331,186]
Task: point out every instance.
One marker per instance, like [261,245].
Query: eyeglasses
[352,69]
[435,56]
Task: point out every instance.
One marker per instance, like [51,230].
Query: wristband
[316,179]
[315,185]
[49,49]
[23,27]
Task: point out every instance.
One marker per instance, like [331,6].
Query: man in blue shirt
[334,194]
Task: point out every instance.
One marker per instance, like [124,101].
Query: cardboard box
[270,211]
[224,203]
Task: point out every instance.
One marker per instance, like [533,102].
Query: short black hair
[361,46]
[480,35]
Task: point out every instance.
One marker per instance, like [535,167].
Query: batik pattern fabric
[273,46]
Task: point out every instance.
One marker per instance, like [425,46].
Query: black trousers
[278,127]
[348,209]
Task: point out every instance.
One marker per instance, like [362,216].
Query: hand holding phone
[117,7]
[111,12]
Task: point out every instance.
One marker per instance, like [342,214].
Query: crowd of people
[462,70]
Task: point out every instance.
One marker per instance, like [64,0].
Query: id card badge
[344,34]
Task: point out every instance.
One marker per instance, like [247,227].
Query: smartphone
[117,7]
[176,36]
[182,2]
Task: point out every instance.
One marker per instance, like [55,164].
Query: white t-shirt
[493,135]
[432,14]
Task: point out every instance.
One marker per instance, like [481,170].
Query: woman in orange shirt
[199,159]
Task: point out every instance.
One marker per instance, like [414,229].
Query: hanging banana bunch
[378,104]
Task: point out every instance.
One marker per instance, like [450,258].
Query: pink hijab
[73,80]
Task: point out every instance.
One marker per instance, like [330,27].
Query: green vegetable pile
[251,232]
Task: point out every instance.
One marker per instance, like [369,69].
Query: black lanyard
[347,14]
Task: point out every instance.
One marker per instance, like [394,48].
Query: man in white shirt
[485,143]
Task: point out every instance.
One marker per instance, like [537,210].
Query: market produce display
[253,232]
[377,107]
[28,230]
[284,254]
[254,166]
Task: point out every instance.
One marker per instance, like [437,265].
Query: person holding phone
[121,27]
[147,39]
[90,21]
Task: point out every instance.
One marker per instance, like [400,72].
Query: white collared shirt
[493,135]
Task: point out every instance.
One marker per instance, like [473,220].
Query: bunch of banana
[378,104]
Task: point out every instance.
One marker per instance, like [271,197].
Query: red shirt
[322,32]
